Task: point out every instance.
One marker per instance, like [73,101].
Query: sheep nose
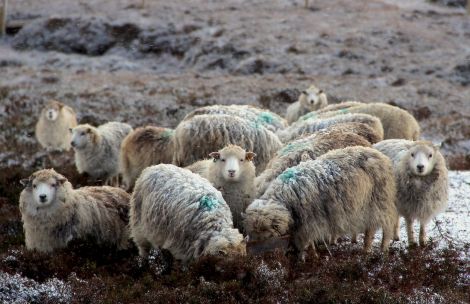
[231,172]
[420,167]
[72,144]
[42,198]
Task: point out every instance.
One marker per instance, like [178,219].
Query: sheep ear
[304,92]
[214,155]
[250,156]
[25,182]
[61,180]
[61,105]
[246,239]
[70,130]
[437,145]
[320,91]
[88,130]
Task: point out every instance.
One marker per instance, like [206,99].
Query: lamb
[312,125]
[422,183]
[175,209]
[343,191]
[266,118]
[306,148]
[230,170]
[53,213]
[143,148]
[52,128]
[397,123]
[97,149]
[310,100]
[195,138]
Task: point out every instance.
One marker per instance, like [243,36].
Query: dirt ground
[117,60]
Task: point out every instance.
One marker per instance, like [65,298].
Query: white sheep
[175,209]
[343,191]
[232,172]
[268,119]
[52,128]
[53,213]
[97,149]
[143,148]
[422,183]
[309,100]
[200,135]
[307,148]
[307,125]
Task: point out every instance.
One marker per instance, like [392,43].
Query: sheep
[142,148]
[268,119]
[311,125]
[53,213]
[306,148]
[231,171]
[175,209]
[397,123]
[97,149]
[310,100]
[343,191]
[335,107]
[52,128]
[422,182]
[195,138]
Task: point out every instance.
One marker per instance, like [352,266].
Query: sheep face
[422,159]
[232,161]
[44,187]
[82,136]
[265,219]
[313,98]
[52,109]
[228,243]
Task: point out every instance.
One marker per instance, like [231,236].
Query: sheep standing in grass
[175,209]
[312,125]
[231,171]
[310,100]
[268,119]
[343,191]
[53,213]
[422,184]
[97,149]
[53,127]
[195,138]
[143,148]
[306,148]
[397,123]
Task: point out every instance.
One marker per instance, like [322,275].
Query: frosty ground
[112,60]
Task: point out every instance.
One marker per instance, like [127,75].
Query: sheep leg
[386,238]
[354,238]
[333,240]
[422,234]
[409,232]
[368,237]
[396,230]
[143,246]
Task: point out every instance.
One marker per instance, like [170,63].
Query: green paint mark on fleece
[167,133]
[343,111]
[291,147]
[308,116]
[288,175]
[266,117]
[208,202]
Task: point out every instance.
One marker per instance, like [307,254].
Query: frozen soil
[112,60]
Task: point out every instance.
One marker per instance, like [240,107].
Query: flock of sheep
[229,174]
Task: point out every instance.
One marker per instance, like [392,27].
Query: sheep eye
[34,186]
[222,159]
[430,155]
[82,134]
[241,159]
[54,185]
[412,155]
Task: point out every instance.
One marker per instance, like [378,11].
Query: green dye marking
[308,116]
[266,117]
[288,175]
[208,202]
[168,133]
[292,147]
[343,111]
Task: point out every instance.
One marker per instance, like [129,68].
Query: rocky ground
[116,60]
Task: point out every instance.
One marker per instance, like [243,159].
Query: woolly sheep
[422,184]
[312,125]
[52,128]
[397,123]
[306,148]
[195,138]
[310,100]
[97,149]
[53,213]
[143,148]
[175,209]
[268,119]
[231,171]
[337,106]
[343,191]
